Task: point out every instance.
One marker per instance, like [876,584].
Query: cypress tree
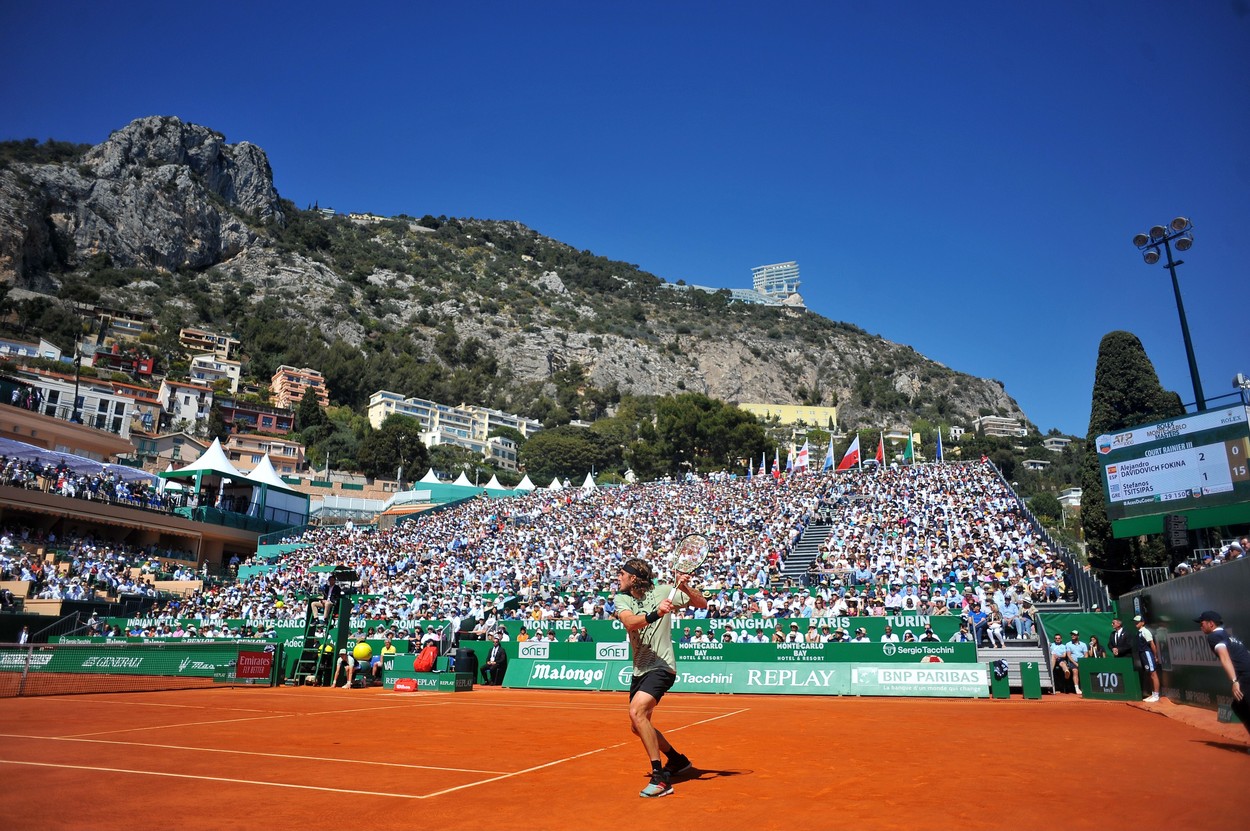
[1126,393]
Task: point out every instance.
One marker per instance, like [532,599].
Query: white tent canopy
[555,485]
[589,484]
[261,494]
[211,461]
[463,480]
[526,484]
[429,478]
[493,484]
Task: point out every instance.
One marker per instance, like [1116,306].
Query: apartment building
[245,451]
[185,404]
[208,369]
[222,347]
[289,384]
[246,417]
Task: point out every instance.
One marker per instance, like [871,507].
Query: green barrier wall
[962,680]
[796,669]
[1110,679]
[199,660]
[742,652]
[1190,673]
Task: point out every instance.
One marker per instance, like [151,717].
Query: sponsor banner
[943,680]
[428,681]
[254,664]
[963,680]
[148,659]
[611,630]
[618,650]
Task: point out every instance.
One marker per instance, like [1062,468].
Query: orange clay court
[493,758]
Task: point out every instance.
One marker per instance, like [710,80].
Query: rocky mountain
[168,219]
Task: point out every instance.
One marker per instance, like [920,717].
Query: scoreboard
[1197,465]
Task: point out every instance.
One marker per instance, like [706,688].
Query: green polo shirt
[653,643]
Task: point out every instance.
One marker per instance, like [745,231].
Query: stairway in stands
[804,552]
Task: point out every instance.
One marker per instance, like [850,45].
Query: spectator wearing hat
[1062,670]
[1234,660]
[861,636]
[1076,652]
[1148,650]
[1011,617]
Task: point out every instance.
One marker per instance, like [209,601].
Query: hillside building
[208,370]
[791,414]
[776,280]
[999,426]
[288,386]
[222,347]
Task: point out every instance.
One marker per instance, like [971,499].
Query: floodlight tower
[1178,229]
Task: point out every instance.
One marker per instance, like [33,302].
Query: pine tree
[1126,393]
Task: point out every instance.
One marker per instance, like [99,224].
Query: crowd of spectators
[926,540]
[1233,550]
[98,486]
[84,569]
[929,540]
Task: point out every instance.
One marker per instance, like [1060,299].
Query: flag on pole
[881,449]
[828,465]
[909,455]
[789,459]
[937,454]
[851,459]
[802,458]
[776,462]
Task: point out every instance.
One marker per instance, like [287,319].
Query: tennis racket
[689,556]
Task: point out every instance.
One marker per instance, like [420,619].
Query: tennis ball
[279,604]
[362,652]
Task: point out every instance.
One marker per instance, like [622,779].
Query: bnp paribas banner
[964,680]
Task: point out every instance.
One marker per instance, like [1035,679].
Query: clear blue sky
[965,178]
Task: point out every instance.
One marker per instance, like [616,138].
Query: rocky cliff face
[159,193]
[176,200]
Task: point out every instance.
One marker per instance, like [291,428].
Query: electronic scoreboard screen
[1195,465]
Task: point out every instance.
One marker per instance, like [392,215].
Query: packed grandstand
[928,540]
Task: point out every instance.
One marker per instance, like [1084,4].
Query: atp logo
[889,649]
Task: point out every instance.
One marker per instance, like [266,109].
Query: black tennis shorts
[654,683]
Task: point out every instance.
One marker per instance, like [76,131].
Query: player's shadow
[1231,747]
[695,774]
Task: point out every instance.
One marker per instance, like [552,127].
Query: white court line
[235,720]
[214,779]
[248,753]
[349,790]
[579,755]
[179,706]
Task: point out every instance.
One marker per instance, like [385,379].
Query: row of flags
[799,460]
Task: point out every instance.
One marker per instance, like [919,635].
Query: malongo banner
[963,680]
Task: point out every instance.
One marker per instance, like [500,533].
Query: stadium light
[1149,243]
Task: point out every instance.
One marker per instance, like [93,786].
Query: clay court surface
[314,758]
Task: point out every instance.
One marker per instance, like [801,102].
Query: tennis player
[643,608]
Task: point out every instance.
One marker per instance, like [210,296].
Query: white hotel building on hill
[465,426]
